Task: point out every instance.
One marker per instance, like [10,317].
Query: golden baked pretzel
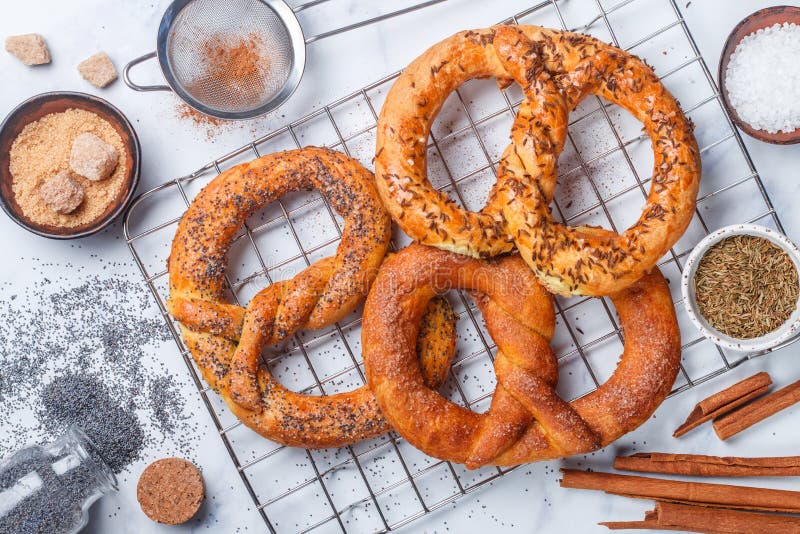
[226,341]
[416,97]
[587,260]
[555,70]
[527,420]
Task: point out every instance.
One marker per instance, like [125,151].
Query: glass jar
[49,488]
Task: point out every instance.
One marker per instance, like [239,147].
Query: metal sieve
[191,31]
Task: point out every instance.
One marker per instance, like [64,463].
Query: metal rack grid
[383,484]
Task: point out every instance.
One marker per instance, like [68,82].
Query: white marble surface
[528,499]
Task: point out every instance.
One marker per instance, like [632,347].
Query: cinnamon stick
[670,516]
[757,411]
[650,522]
[725,401]
[709,466]
[698,493]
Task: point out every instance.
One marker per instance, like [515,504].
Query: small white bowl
[786,331]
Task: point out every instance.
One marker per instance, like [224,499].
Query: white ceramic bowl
[786,331]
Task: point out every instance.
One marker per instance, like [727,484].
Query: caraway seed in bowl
[746,286]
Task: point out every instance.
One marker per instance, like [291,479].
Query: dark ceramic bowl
[758,20]
[34,109]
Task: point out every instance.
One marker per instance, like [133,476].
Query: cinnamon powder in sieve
[42,149]
[238,63]
[234,63]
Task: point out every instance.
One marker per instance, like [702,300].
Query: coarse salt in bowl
[763,84]
[785,332]
[763,78]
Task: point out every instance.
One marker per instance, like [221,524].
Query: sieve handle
[136,87]
[362,23]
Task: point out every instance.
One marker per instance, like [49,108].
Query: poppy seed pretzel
[527,421]
[226,340]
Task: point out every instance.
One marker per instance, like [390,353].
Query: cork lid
[170,491]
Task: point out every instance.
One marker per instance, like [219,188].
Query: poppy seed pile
[79,399]
[80,350]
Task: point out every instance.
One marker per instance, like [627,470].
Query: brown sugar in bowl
[44,104]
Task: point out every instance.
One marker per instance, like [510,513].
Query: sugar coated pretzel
[226,340]
[527,420]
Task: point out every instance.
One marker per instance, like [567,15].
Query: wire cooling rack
[384,483]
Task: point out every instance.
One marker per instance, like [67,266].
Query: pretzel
[226,340]
[427,215]
[555,70]
[587,260]
[527,420]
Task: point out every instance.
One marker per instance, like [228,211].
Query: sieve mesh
[204,28]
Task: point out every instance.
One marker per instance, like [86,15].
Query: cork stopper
[170,491]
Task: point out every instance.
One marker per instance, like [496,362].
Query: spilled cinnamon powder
[184,111]
[210,127]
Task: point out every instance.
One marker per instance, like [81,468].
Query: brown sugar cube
[92,158]
[98,70]
[62,193]
[170,491]
[29,48]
